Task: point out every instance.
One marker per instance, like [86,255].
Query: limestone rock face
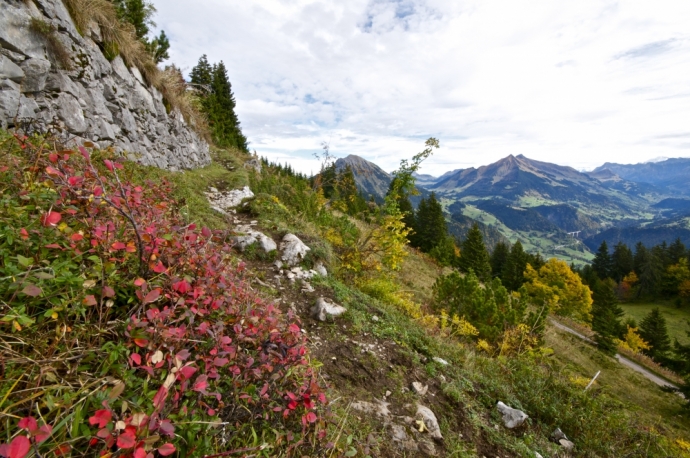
[94,100]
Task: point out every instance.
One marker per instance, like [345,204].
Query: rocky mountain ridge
[84,96]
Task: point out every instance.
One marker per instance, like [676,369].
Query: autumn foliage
[178,353]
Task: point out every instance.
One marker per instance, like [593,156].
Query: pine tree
[606,316]
[158,47]
[514,269]
[653,330]
[622,261]
[499,257]
[602,262]
[473,255]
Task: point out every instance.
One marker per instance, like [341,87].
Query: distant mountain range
[670,174]
[551,208]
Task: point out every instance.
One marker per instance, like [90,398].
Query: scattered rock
[251,236]
[223,201]
[374,318]
[512,418]
[537,455]
[379,408]
[307,288]
[561,439]
[398,433]
[253,163]
[324,309]
[321,269]
[419,388]
[440,360]
[430,422]
[567,445]
[293,249]
[427,448]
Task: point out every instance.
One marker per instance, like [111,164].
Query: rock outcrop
[81,94]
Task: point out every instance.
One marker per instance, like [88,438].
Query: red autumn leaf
[187,371]
[201,384]
[311,417]
[51,218]
[206,232]
[97,191]
[181,286]
[139,453]
[28,423]
[264,389]
[136,358]
[159,268]
[74,181]
[152,296]
[23,233]
[131,248]
[62,449]
[53,157]
[101,418]
[104,433]
[90,300]
[183,355]
[167,428]
[141,342]
[108,291]
[52,171]
[32,290]
[139,282]
[109,164]
[166,449]
[292,405]
[84,153]
[127,439]
[44,433]
[160,396]
[76,237]
[19,447]
[118,246]
[294,328]
[54,245]
[220,362]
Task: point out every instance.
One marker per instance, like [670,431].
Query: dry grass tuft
[120,38]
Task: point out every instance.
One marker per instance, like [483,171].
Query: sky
[574,83]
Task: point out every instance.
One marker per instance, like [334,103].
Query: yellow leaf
[16,326]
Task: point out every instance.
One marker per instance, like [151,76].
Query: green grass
[643,398]
[676,318]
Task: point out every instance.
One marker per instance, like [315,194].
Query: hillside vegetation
[132,328]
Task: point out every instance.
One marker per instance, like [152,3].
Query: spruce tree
[640,258]
[499,257]
[652,271]
[473,255]
[606,316]
[430,224]
[602,263]
[201,75]
[514,270]
[676,251]
[653,330]
[622,261]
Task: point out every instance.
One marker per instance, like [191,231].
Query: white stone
[251,236]
[430,422]
[440,360]
[229,199]
[35,74]
[419,388]
[10,70]
[293,250]
[324,309]
[512,418]
[379,408]
[321,269]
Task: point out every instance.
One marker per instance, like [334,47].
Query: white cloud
[576,83]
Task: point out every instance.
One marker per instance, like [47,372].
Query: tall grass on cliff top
[125,329]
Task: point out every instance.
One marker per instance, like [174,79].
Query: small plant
[55,46]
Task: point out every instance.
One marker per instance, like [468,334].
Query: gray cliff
[95,100]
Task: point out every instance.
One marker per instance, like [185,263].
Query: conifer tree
[473,255]
[139,13]
[622,261]
[499,257]
[640,258]
[602,263]
[514,269]
[430,224]
[218,103]
[606,316]
[676,251]
[653,330]
[652,271]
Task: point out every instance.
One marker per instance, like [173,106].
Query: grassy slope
[472,382]
[676,318]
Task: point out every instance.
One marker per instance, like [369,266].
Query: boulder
[430,422]
[10,70]
[223,201]
[35,74]
[512,418]
[323,309]
[251,236]
[321,269]
[420,388]
[293,250]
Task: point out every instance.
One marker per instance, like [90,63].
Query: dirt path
[621,359]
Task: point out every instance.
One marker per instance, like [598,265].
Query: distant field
[676,318]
